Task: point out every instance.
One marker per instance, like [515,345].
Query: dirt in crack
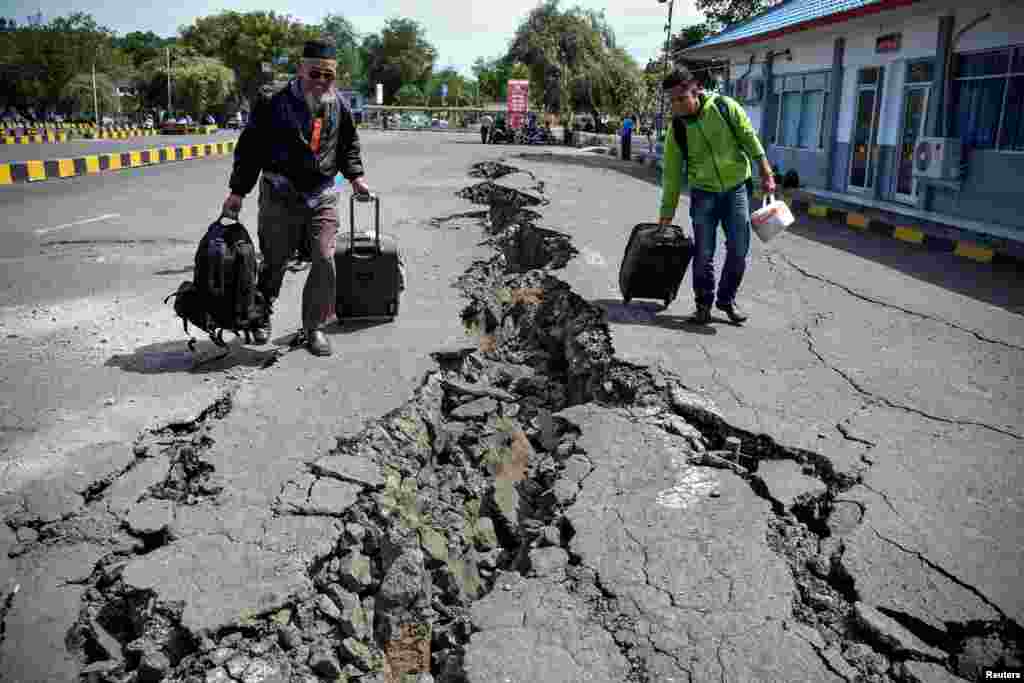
[440,496]
[189,478]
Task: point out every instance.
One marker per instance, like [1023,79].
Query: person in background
[300,138]
[627,137]
[717,170]
[486,124]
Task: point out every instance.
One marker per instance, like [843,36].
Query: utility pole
[668,39]
[168,81]
[95,99]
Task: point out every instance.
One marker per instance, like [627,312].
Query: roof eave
[837,18]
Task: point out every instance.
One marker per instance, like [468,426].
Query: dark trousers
[286,222]
[484,131]
[707,210]
[627,146]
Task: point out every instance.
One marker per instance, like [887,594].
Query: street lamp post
[668,39]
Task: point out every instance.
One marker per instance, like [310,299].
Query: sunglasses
[318,75]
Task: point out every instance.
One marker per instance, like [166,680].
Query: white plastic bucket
[772,218]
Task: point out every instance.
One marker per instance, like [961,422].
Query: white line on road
[97,219]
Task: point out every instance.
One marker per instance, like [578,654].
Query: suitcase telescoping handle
[364,197]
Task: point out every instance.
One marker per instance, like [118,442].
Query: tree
[572,59]
[351,64]
[243,42]
[200,84]
[78,92]
[456,87]
[140,47]
[722,13]
[408,94]
[399,55]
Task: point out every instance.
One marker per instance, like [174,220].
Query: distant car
[107,121]
[172,127]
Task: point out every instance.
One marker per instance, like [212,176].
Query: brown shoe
[318,343]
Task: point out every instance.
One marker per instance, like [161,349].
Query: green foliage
[141,47]
[409,94]
[722,13]
[200,84]
[495,456]
[79,93]
[505,425]
[573,62]
[401,499]
[399,55]
[471,511]
[242,42]
[351,62]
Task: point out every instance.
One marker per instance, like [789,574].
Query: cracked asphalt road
[902,381]
[905,372]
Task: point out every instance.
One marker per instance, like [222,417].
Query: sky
[461,30]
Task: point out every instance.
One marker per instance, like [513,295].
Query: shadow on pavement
[650,314]
[996,284]
[599,161]
[174,356]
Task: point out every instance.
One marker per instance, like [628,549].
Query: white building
[843,91]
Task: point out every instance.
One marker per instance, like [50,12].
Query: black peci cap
[319,49]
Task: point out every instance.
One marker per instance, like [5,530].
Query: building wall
[991,189]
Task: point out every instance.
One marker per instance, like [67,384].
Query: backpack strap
[215,246]
[679,132]
[723,109]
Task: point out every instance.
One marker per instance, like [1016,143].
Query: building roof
[791,16]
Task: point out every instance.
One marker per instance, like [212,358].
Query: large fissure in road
[453,498]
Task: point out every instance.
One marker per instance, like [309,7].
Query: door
[915,106]
[863,155]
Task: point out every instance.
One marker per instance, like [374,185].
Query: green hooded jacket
[717,164]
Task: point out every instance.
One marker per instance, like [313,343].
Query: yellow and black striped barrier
[118,133]
[52,169]
[38,138]
[864,221]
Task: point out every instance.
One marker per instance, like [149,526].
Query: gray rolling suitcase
[369,268]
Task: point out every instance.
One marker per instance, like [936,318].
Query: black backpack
[223,295]
[679,132]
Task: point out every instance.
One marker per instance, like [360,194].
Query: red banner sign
[518,102]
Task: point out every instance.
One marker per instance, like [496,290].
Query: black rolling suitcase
[370,278]
[655,262]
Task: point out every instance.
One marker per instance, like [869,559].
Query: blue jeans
[707,209]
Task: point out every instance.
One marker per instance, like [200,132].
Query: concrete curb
[962,243]
[54,169]
[37,138]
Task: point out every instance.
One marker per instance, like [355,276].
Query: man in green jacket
[716,171]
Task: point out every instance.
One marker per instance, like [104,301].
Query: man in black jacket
[300,139]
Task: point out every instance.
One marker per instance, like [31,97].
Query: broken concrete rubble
[443,506]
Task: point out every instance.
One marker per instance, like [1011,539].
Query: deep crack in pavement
[440,512]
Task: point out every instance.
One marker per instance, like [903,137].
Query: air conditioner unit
[938,158]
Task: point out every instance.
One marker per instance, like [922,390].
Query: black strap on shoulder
[679,132]
[723,109]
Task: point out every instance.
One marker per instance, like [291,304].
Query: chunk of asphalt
[891,636]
